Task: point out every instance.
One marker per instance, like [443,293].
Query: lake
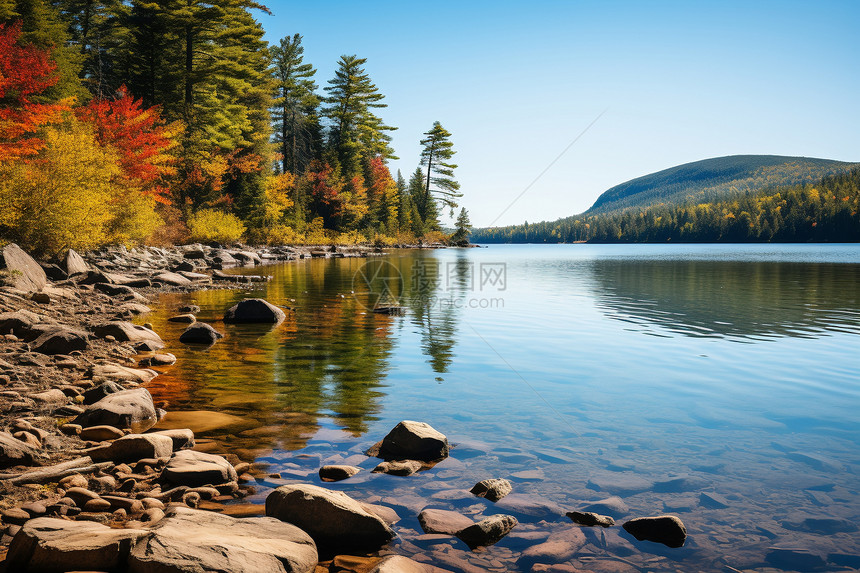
[718,383]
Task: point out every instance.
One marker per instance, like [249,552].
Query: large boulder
[13,451]
[254,310]
[22,271]
[75,264]
[127,409]
[51,545]
[127,332]
[188,540]
[195,469]
[412,441]
[666,529]
[61,340]
[200,333]
[332,518]
[134,447]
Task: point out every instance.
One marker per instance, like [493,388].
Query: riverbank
[77,456]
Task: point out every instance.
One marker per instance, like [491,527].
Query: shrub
[212,225]
[279,235]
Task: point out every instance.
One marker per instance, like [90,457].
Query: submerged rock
[186,540]
[666,529]
[487,531]
[590,519]
[254,310]
[443,521]
[492,489]
[412,441]
[332,518]
[401,468]
[337,472]
[401,564]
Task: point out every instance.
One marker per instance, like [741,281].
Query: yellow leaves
[278,189]
[213,225]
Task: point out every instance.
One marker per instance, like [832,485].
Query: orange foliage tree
[25,72]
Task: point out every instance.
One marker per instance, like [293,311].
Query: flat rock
[101,433]
[14,452]
[50,545]
[337,472]
[443,521]
[188,540]
[411,440]
[254,310]
[713,500]
[126,409]
[666,529]
[127,332]
[164,359]
[332,518]
[195,469]
[115,372]
[559,547]
[61,340]
[795,559]
[492,489]
[24,273]
[199,421]
[401,564]
[200,333]
[619,484]
[488,531]
[187,318]
[398,468]
[172,279]
[134,447]
[822,524]
[531,505]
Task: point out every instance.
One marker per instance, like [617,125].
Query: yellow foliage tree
[213,225]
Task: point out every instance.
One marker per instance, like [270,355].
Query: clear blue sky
[516,82]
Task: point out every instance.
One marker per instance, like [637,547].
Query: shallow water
[652,372]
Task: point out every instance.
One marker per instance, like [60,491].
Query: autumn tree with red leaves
[25,72]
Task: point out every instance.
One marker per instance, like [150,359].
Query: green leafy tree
[436,155]
[425,215]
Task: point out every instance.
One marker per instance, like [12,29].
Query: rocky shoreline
[87,484]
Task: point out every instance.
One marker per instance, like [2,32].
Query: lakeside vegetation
[826,211]
[174,121]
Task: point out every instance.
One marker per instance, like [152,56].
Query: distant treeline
[823,212]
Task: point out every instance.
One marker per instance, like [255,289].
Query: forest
[174,120]
[826,212]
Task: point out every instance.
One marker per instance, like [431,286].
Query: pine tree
[294,110]
[355,131]
[426,214]
[436,155]
[463,229]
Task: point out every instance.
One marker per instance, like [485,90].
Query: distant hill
[716,179]
[740,198]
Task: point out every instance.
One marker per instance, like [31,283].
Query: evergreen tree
[436,155]
[355,132]
[295,105]
[463,228]
[425,213]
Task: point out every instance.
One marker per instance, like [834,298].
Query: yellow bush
[213,225]
[278,235]
[316,234]
[350,238]
[65,198]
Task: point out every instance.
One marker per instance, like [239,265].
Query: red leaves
[139,136]
[25,71]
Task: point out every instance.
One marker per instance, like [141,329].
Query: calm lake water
[652,372]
